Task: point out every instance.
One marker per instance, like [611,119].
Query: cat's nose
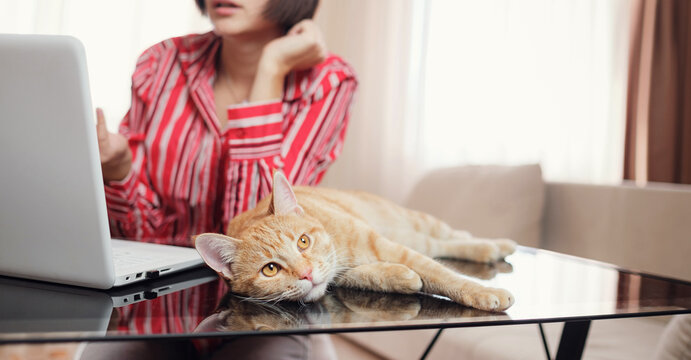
[307,274]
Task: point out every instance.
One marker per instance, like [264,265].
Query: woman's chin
[228,27]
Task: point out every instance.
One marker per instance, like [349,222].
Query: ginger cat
[297,242]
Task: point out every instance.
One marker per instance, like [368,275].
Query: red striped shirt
[188,175]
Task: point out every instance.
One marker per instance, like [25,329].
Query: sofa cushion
[639,228]
[487,200]
[675,342]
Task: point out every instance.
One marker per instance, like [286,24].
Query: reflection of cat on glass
[483,271]
[295,244]
[341,307]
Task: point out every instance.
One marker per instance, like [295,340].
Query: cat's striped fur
[354,239]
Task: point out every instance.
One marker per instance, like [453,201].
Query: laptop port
[139,275]
[137,297]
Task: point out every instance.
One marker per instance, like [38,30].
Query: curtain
[531,81]
[455,82]
[383,41]
[658,129]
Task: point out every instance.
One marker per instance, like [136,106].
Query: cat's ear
[212,323]
[217,251]
[283,200]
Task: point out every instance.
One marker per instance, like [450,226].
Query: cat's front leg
[382,276]
[438,279]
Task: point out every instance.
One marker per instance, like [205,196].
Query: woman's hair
[285,13]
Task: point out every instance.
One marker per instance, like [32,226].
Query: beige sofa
[645,228]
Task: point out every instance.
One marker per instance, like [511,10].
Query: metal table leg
[431,344]
[544,342]
[573,339]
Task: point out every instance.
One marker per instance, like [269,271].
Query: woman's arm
[134,208]
[324,112]
[313,142]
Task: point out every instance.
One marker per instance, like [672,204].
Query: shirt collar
[198,57]
[198,61]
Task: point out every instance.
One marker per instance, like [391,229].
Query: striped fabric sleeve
[133,207]
[255,129]
[329,109]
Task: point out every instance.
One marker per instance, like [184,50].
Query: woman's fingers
[116,157]
[308,29]
[313,48]
[301,48]
[300,27]
[101,130]
[104,146]
[295,30]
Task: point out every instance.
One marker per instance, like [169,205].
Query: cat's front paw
[506,299]
[493,299]
[487,253]
[402,279]
[506,247]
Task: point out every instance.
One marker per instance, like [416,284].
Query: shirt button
[240,133]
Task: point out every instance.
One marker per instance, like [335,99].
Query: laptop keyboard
[131,257]
[125,258]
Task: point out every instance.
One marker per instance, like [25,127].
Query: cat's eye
[270,269]
[304,242]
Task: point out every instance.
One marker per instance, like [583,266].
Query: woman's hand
[116,157]
[301,48]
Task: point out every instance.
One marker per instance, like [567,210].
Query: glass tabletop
[547,286]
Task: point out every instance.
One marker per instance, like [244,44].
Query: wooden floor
[345,350]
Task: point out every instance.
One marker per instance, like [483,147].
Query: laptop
[53,218]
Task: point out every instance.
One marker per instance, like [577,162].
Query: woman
[213,114]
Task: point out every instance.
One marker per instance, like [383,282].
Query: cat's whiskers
[291,294]
[286,295]
[336,263]
[273,298]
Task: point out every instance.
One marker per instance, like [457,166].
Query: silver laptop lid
[53,219]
